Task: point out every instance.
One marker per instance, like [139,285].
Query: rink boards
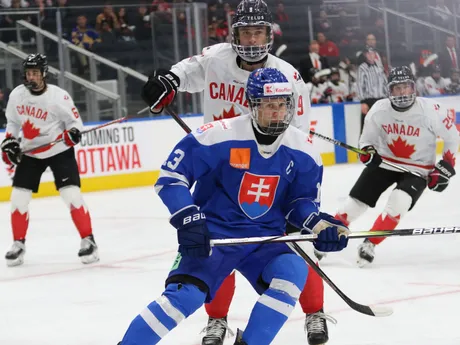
[130,154]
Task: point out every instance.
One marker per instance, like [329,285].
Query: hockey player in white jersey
[338,90]
[45,113]
[221,71]
[435,84]
[401,129]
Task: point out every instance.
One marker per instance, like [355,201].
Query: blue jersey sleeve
[186,164]
[304,195]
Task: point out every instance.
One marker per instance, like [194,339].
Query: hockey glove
[160,90]
[372,159]
[332,233]
[72,136]
[192,232]
[11,152]
[438,179]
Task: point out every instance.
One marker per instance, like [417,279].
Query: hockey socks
[384,222]
[271,312]
[312,297]
[20,199]
[162,315]
[80,215]
[219,306]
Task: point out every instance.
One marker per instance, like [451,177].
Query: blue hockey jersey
[243,188]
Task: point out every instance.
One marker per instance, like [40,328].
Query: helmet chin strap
[262,61]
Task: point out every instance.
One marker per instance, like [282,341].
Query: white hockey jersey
[409,138]
[316,92]
[340,92]
[435,88]
[216,73]
[42,118]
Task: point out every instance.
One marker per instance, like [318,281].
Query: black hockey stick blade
[377,311]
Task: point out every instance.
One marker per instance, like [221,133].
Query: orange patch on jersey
[240,158]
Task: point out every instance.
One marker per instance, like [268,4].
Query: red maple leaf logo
[226,114]
[449,157]
[401,149]
[29,130]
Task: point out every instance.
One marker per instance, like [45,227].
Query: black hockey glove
[72,136]
[372,159]
[160,90]
[11,152]
[438,179]
[192,232]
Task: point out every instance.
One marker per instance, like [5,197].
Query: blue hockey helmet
[271,100]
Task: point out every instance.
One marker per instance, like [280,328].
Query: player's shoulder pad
[382,105]
[286,68]
[217,50]
[58,93]
[18,93]
[297,140]
[216,132]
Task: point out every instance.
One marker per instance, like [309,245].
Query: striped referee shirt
[372,82]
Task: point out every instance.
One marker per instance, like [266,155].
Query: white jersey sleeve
[192,71]
[445,128]
[13,124]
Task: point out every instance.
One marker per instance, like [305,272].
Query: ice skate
[15,256]
[88,250]
[365,253]
[316,327]
[216,331]
[239,338]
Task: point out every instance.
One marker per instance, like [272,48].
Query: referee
[371,82]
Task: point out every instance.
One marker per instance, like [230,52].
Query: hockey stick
[443,230]
[355,149]
[360,308]
[54,142]
[371,311]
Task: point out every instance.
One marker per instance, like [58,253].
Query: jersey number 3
[174,162]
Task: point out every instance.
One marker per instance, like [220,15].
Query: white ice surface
[55,300]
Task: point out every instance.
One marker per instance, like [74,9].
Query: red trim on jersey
[392,160]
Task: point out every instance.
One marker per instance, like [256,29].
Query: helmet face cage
[252,53]
[402,101]
[263,110]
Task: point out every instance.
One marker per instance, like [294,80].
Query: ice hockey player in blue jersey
[251,175]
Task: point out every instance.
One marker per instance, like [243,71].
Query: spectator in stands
[109,18]
[313,61]
[448,57]
[10,22]
[142,23]
[323,24]
[371,82]
[67,18]
[8,3]
[348,42]
[84,36]
[281,16]
[327,48]
[212,35]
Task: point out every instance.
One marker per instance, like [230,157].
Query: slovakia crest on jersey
[257,193]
